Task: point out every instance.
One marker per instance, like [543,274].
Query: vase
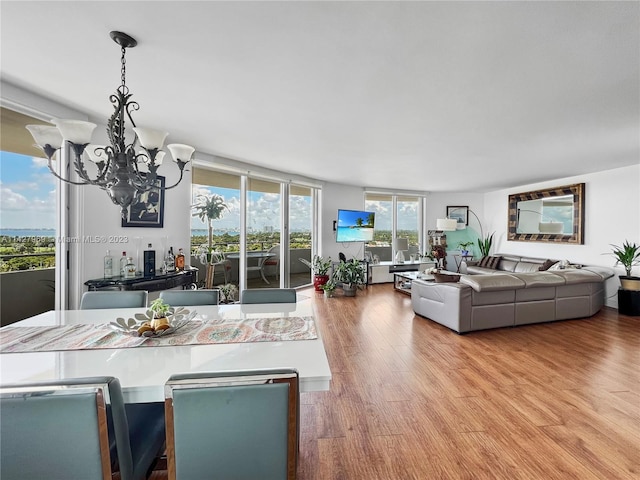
[349,290]
[319,280]
[630,283]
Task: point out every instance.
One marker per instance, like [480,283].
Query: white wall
[612,215]
[335,197]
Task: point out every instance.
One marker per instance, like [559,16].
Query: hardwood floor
[410,399]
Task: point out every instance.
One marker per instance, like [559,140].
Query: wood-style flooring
[410,399]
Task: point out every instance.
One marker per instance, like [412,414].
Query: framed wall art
[147,209]
[459,213]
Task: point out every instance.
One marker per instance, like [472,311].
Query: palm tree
[209,207]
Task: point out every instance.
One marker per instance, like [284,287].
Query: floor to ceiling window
[300,229]
[273,226]
[397,216]
[28,222]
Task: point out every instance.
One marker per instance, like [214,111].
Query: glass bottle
[169,261]
[108,265]
[130,268]
[180,260]
[123,263]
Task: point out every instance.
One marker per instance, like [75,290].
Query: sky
[27,192]
[264,210]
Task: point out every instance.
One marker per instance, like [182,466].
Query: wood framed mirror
[549,215]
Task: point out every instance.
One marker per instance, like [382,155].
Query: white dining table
[143,371]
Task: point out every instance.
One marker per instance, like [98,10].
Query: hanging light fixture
[117,164]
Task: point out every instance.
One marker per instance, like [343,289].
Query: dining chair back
[272,262]
[73,429]
[183,298]
[113,299]
[268,295]
[248,421]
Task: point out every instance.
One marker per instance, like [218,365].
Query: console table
[186,279]
[383,272]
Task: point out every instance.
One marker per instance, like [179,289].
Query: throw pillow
[494,262]
[484,261]
[546,265]
[445,278]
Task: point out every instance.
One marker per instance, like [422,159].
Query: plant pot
[630,283]
[328,293]
[349,290]
[319,280]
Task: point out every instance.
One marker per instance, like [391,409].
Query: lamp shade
[76,131]
[401,244]
[46,135]
[446,224]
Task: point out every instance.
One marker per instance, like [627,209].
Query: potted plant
[329,288]
[319,267]
[484,244]
[351,275]
[160,310]
[464,251]
[228,293]
[628,255]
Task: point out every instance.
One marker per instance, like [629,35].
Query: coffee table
[402,280]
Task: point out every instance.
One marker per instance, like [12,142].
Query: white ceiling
[429,96]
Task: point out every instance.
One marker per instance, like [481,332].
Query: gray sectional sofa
[515,293]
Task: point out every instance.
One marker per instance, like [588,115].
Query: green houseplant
[484,244]
[351,275]
[329,288]
[628,255]
[320,268]
[228,293]
[464,247]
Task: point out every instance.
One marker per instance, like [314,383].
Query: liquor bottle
[180,260]
[108,265]
[123,263]
[130,268]
[149,262]
[170,261]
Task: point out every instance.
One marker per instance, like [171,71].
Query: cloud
[39,163]
[12,200]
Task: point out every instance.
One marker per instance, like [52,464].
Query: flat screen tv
[355,226]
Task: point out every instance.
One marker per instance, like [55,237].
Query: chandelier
[120,170]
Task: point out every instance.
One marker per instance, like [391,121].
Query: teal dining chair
[113,299]
[248,421]
[77,428]
[268,295]
[184,298]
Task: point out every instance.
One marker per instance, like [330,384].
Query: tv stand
[383,272]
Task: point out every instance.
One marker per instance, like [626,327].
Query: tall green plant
[484,244]
[628,255]
[209,208]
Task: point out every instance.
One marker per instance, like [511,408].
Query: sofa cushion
[491,262]
[540,279]
[488,283]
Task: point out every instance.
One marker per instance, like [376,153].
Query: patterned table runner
[196,332]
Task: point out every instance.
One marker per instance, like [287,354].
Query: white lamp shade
[446,224]
[401,244]
[149,138]
[159,158]
[76,131]
[46,135]
[181,152]
[99,156]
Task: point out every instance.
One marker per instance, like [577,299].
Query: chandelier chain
[123,69]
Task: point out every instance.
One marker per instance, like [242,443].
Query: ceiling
[427,96]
